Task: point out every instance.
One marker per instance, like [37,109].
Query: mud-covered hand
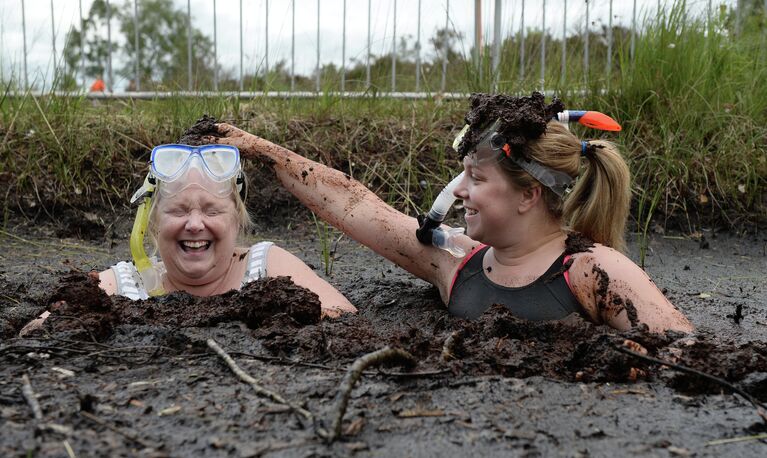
[250,146]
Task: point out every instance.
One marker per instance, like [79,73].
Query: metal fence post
[293,50]
[633,30]
[367,55]
[496,44]
[317,82]
[447,47]
[394,50]
[137,50]
[478,36]
[82,45]
[241,82]
[418,52]
[543,47]
[24,34]
[109,46]
[522,44]
[266,39]
[53,40]
[610,44]
[215,49]
[563,77]
[586,46]
[189,43]
[343,51]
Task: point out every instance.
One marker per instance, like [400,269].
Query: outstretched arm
[615,291]
[348,205]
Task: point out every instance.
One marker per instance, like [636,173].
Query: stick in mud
[449,348]
[242,375]
[384,355]
[761,409]
[31,397]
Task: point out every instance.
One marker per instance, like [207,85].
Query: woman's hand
[247,143]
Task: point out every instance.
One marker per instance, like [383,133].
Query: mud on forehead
[521,118]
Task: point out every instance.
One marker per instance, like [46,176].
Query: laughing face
[196,235]
[489,200]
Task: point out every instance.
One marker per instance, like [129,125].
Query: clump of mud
[80,305]
[521,119]
[285,322]
[204,126]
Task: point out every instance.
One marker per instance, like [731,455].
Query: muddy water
[507,388]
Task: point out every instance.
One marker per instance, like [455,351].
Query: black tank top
[547,298]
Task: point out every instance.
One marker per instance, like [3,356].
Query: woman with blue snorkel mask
[545,215]
[191,206]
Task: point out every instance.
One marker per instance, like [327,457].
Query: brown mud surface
[497,386]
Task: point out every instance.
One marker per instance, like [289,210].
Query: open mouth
[194,246]
[470,211]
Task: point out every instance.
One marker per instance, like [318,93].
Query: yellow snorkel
[146,269]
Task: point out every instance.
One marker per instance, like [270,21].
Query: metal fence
[488,24]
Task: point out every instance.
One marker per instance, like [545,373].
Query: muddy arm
[348,205]
[617,292]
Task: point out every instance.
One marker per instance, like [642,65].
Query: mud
[497,386]
[204,126]
[79,305]
[521,119]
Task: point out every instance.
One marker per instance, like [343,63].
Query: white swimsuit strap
[257,262]
[127,281]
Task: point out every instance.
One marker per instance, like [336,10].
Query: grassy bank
[691,101]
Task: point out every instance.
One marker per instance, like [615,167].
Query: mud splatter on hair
[521,119]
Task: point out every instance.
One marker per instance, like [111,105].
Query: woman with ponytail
[545,215]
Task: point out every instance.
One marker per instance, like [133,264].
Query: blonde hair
[598,205]
[242,216]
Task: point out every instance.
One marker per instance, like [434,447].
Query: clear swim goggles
[493,147]
[177,167]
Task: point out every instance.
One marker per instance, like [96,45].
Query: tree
[163,46]
[95,52]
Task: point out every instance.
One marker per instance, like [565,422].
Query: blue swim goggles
[181,166]
[170,162]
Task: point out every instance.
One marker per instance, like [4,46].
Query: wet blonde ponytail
[598,206]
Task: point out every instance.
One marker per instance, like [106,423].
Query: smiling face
[196,235]
[489,200]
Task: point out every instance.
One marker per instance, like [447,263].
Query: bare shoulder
[616,291]
[602,260]
[281,262]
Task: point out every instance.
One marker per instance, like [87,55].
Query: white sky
[40,43]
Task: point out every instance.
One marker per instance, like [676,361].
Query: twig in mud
[731,440]
[449,348]
[290,362]
[53,245]
[31,397]
[115,429]
[242,375]
[68,448]
[384,355]
[761,409]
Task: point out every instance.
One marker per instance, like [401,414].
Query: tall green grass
[691,100]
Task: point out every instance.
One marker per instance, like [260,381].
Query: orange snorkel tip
[601,121]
